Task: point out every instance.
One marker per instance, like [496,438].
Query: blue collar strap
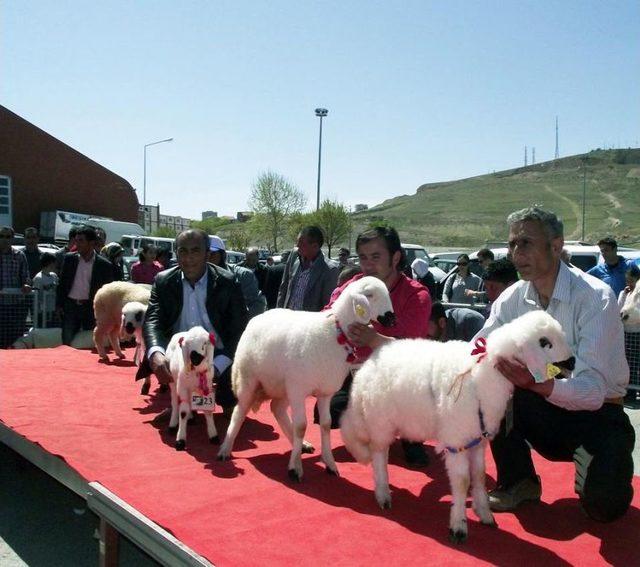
[474,442]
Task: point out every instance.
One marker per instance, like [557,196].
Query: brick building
[40,173]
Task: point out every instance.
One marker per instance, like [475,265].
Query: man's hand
[366,335]
[160,367]
[518,374]
[26,288]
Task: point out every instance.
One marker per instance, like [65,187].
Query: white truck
[55,225]
[115,229]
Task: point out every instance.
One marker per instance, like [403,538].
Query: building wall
[48,175]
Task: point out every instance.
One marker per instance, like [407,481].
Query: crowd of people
[578,419]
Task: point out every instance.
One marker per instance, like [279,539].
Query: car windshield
[414,253]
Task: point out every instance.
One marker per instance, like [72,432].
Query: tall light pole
[144,181]
[584,192]
[321,113]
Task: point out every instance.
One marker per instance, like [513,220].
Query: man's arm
[235,320]
[329,282]
[253,297]
[284,284]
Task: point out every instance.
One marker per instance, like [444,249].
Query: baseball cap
[216,243]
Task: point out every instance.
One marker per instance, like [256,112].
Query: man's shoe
[415,454]
[506,500]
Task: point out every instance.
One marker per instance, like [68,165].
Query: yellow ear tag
[360,311]
[552,371]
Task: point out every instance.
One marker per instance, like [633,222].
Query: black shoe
[415,454]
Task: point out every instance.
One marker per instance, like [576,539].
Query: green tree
[334,219]
[211,225]
[164,232]
[273,200]
[238,238]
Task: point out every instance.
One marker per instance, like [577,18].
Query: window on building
[5,200]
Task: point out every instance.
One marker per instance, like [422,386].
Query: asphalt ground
[43,523]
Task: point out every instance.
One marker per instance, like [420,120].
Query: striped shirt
[587,310]
[300,283]
[14,270]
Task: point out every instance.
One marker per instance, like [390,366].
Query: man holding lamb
[579,418]
[196,293]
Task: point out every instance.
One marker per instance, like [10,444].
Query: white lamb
[630,312]
[133,314]
[420,389]
[287,356]
[107,308]
[190,356]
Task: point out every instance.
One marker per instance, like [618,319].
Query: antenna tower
[557,150]
[533,155]
[525,156]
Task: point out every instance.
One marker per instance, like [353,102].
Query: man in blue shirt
[612,270]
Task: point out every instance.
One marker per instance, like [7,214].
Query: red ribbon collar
[481,348]
[202,383]
[346,344]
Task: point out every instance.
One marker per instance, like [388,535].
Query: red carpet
[247,512]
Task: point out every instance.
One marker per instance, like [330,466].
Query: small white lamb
[190,356]
[107,308]
[630,312]
[421,389]
[287,356]
[133,314]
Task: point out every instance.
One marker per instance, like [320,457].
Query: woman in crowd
[114,253]
[456,287]
[145,270]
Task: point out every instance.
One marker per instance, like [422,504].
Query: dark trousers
[599,442]
[339,403]
[76,316]
[224,393]
[13,319]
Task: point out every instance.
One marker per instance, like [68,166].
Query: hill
[472,211]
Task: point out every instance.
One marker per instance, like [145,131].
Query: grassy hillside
[471,211]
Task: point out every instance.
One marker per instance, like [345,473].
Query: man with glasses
[31,250]
[14,281]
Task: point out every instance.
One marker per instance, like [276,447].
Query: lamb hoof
[181,445]
[104,359]
[172,428]
[163,388]
[491,524]
[385,504]
[223,457]
[457,536]
[192,419]
[293,475]
[332,472]
[121,356]
[307,447]
[145,389]
[215,440]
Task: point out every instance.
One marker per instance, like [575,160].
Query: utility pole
[584,192]
[557,148]
[525,156]
[533,156]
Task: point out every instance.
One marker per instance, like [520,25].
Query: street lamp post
[144,181]
[321,113]
[584,194]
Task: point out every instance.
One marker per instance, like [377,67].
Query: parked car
[42,247]
[234,257]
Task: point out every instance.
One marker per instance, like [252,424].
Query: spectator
[46,282]
[274,279]
[565,256]
[146,268]
[581,418]
[421,273]
[114,253]
[101,240]
[253,297]
[456,287]
[14,282]
[612,270]
[251,262]
[309,278]
[497,277]
[69,247]
[83,273]
[485,257]
[347,273]
[31,250]
[196,293]
[456,324]
[270,261]
[343,257]
[165,258]
[381,256]
[631,333]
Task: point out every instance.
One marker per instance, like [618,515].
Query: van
[132,243]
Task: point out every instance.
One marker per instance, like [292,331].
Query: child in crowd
[46,282]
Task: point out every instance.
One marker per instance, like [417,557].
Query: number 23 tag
[202,403]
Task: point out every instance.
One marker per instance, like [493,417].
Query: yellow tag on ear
[552,371]
[360,311]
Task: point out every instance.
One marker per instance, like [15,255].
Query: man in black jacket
[195,293]
[83,273]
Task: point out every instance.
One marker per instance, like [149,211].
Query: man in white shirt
[580,418]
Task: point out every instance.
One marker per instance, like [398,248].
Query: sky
[417,91]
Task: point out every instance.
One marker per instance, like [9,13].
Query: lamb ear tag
[212,339]
[552,371]
[360,310]
[180,341]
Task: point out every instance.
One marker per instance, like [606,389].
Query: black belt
[78,301]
